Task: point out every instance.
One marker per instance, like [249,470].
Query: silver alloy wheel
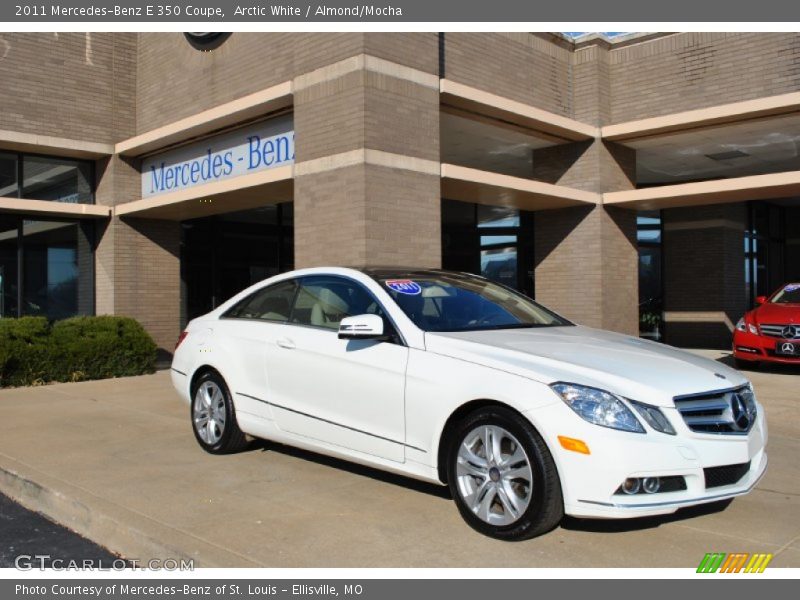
[209,412]
[494,474]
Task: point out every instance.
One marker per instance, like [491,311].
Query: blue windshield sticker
[404,286]
[792,287]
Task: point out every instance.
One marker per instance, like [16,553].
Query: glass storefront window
[765,243]
[223,254]
[9,257]
[493,241]
[47,268]
[651,297]
[8,175]
[499,259]
[497,216]
[56,179]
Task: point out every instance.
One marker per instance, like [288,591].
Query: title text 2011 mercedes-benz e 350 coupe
[450,378]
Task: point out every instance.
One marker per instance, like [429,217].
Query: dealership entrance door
[223,254]
[493,241]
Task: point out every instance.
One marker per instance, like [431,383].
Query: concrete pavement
[116,461]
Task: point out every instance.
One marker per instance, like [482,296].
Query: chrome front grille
[730,412]
[785,331]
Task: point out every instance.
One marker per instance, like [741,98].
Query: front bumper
[589,482]
[761,348]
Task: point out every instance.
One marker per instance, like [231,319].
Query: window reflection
[8,175]
[651,296]
[56,179]
[56,268]
[46,178]
[56,279]
[493,241]
[8,266]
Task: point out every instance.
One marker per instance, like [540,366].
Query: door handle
[286,343]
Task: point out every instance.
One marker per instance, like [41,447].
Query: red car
[771,331]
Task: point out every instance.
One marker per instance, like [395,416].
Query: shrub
[33,351]
[24,350]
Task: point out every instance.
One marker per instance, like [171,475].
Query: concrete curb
[120,530]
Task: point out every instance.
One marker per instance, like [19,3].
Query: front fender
[437,387]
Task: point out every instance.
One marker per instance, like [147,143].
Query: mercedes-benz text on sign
[241,152]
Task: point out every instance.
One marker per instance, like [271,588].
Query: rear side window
[272,303]
[324,301]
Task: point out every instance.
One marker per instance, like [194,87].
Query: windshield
[790,294]
[455,302]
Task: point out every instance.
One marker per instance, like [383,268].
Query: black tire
[232,439]
[746,365]
[545,502]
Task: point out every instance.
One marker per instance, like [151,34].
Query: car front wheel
[502,476]
[213,417]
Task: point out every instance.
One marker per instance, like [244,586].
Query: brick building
[646,184]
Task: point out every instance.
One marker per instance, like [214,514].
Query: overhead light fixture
[727,155]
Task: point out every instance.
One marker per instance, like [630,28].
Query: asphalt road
[23,532]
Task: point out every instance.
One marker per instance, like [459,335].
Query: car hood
[631,367]
[777,313]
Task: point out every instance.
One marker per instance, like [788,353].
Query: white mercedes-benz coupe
[453,379]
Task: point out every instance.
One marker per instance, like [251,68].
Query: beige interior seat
[329,309]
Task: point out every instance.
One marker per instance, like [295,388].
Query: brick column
[367,185]
[704,292]
[586,257]
[137,261]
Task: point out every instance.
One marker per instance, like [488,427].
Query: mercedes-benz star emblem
[741,417]
[787,348]
[206,40]
[789,332]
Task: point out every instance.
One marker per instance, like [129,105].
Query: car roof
[397,272]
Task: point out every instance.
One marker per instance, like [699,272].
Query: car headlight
[598,407]
[743,326]
[654,417]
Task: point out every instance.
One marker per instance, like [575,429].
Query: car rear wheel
[213,417]
[502,476]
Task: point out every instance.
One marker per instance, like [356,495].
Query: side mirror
[361,327]
[760,300]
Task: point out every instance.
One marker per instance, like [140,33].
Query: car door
[246,331]
[349,393]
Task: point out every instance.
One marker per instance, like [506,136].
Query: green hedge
[33,351]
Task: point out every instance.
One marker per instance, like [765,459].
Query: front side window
[458,302]
[324,301]
[271,303]
[790,294]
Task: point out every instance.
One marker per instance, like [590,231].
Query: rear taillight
[181,337]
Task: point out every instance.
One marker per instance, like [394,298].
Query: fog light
[651,484]
[631,486]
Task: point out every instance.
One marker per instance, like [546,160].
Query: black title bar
[401,11]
